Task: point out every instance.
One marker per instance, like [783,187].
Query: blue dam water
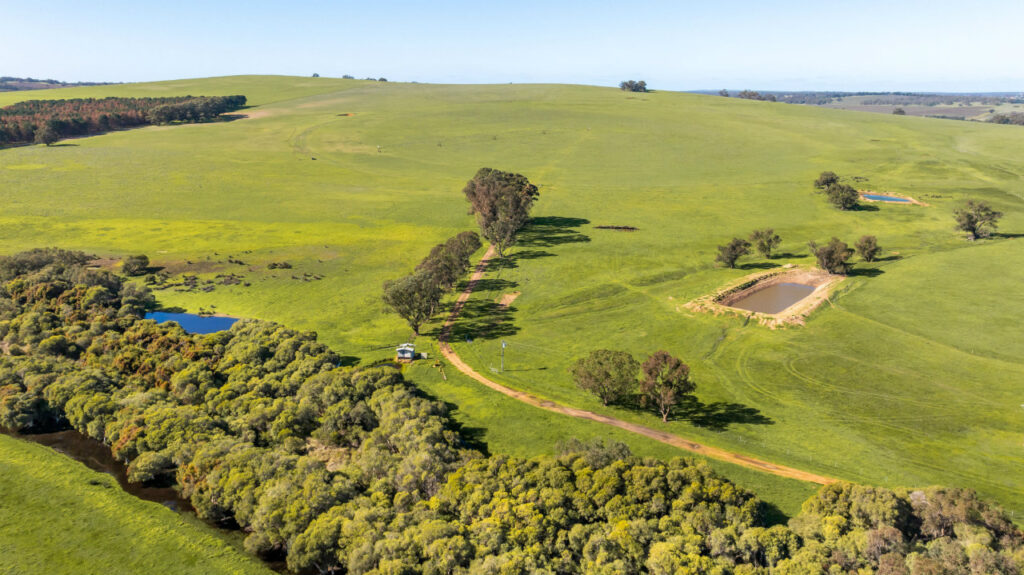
[193,323]
[882,198]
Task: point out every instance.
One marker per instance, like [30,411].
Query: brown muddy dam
[773,298]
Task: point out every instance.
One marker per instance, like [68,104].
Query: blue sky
[681,45]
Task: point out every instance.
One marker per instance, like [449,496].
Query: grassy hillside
[910,377]
[60,517]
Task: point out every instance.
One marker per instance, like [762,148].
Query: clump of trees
[826,179]
[203,109]
[608,374]
[867,248]
[833,257]
[612,377]
[977,218]
[47,121]
[765,241]
[842,196]
[754,95]
[633,86]
[848,528]
[729,253]
[415,297]
[135,265]
[46,135]
[1016,118]
[501,202]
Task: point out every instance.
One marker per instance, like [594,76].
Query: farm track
[661,436]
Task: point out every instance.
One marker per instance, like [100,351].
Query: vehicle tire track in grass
[655,434]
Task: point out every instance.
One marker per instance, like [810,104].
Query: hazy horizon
[788,46]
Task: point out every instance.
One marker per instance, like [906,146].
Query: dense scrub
[45,121]
[1011,118]
[344,470]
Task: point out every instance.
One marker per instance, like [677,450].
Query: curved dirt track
[657,435]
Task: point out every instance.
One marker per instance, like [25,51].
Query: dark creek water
[774,298]
[96,456]
[193,323]
[883,198]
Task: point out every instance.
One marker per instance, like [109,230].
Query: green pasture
[505,425]
[911,375]
[58,517]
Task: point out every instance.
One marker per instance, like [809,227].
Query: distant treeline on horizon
[14,84]
[46,121]
[819,98]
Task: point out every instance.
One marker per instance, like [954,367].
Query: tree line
[833,257]
[501,202]
[1016,118]
[353,470]
[47,121]
[415,297]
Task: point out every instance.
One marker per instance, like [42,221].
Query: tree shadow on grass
[865,272]
[788,255]
[864,208]
[771,515]
[348,361]
[1005,235]
[511,261]
[472,437]
[887,259]
[758,266]
[488,284]
[552,231]
[483,320]
[717,416]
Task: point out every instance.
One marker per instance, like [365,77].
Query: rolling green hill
[911,376]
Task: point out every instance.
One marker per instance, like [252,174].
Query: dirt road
[657,435]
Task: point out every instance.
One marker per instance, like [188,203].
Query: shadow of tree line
[488,320]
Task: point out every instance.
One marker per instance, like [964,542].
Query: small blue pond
[193,323]
[883,198]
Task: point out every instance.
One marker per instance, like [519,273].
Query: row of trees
[47,121]
[764,240]
[352,470]
[415,297]
[832,257]
[612,376]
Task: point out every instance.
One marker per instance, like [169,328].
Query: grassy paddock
[508,426]
[910,376]
[59,517]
